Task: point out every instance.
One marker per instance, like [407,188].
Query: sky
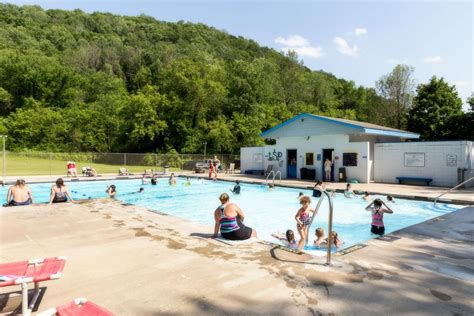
[354,40]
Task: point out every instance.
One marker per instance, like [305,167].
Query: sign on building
[414,159]
[451,160]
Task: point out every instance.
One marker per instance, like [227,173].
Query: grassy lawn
[28,166]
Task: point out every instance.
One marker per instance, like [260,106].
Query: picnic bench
[414,179]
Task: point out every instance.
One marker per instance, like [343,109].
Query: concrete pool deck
[136,262]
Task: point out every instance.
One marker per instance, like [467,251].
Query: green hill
[72,81]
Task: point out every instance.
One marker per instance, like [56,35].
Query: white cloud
[395,61]
[300,45]
[313,52]
[344,48]
[360,31]
[433,60]
[461,83]
[292,41]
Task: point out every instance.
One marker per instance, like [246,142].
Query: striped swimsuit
[228,224]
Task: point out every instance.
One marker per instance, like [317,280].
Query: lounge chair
[34,271]
[123,172]
[87,171]
[78,307]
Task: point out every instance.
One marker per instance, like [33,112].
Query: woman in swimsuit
[229,220]
[303,220]
[19,194]
[60,193]
[375,207]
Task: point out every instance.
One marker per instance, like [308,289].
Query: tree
[72,81]
[470,101]
[434,107]
[397,87]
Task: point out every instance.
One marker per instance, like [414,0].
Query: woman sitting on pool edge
[229,218]
[60,192]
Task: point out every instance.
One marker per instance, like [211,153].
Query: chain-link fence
[45,163]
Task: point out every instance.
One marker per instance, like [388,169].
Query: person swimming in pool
[19,194]
[334,240]
[187,183]
[111,191]
[367,196]
[236,188]
[377,211]
[288,238]
[348,193]
[172,180]
[229,220]
[320,241]
[390,199]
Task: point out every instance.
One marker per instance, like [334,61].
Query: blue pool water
[266,211]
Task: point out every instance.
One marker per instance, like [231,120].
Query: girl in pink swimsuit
[303,221]
[375,207]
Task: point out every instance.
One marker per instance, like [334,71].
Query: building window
[349,159]
[309,159]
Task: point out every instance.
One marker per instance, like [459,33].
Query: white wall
[316,144]
[389,161]
[251,158]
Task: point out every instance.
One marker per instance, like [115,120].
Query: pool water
[268,212]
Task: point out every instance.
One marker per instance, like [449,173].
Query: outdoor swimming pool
[266,211]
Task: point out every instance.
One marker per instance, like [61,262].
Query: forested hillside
[71,81]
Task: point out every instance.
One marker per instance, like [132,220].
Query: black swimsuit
[59,197]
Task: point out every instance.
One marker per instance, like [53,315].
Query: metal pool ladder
[274,176]
[325,193]
[453,188]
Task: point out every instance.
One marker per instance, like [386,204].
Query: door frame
[323,160]
[288,163]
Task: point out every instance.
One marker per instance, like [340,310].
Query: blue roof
[362,127]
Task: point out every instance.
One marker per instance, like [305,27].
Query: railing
[453,188]
[277,173]
[274,176]
[325,193]
[268,176]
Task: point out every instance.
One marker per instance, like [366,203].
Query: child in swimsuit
[288,238]
[303,220]
[366,196]
[335,239]
[375,207]
[320,240]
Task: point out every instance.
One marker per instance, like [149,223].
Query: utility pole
[4,159]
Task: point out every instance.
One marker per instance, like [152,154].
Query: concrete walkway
[135,262]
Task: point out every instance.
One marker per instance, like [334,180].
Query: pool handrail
[278,172]
[328,246]
[453,188]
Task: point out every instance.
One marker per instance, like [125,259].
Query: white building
[367,152]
